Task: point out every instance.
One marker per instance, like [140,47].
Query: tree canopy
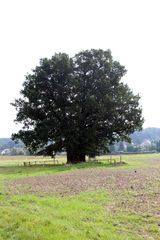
[77,104]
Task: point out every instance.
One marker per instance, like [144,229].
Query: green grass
[82,217]
[85,216]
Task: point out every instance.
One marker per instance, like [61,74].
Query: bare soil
[138,189]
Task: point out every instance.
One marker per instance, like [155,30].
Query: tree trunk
[74,157]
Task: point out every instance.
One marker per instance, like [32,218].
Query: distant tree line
[9,147]
[7,143]
[146,146]
[151,134]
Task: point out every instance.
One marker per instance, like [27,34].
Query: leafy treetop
[76,104]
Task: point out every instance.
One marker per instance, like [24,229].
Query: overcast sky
[33,29]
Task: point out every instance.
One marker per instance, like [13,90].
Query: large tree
[77,104]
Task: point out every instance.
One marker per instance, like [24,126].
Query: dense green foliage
[76,104]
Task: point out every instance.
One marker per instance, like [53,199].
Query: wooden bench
[38,162]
